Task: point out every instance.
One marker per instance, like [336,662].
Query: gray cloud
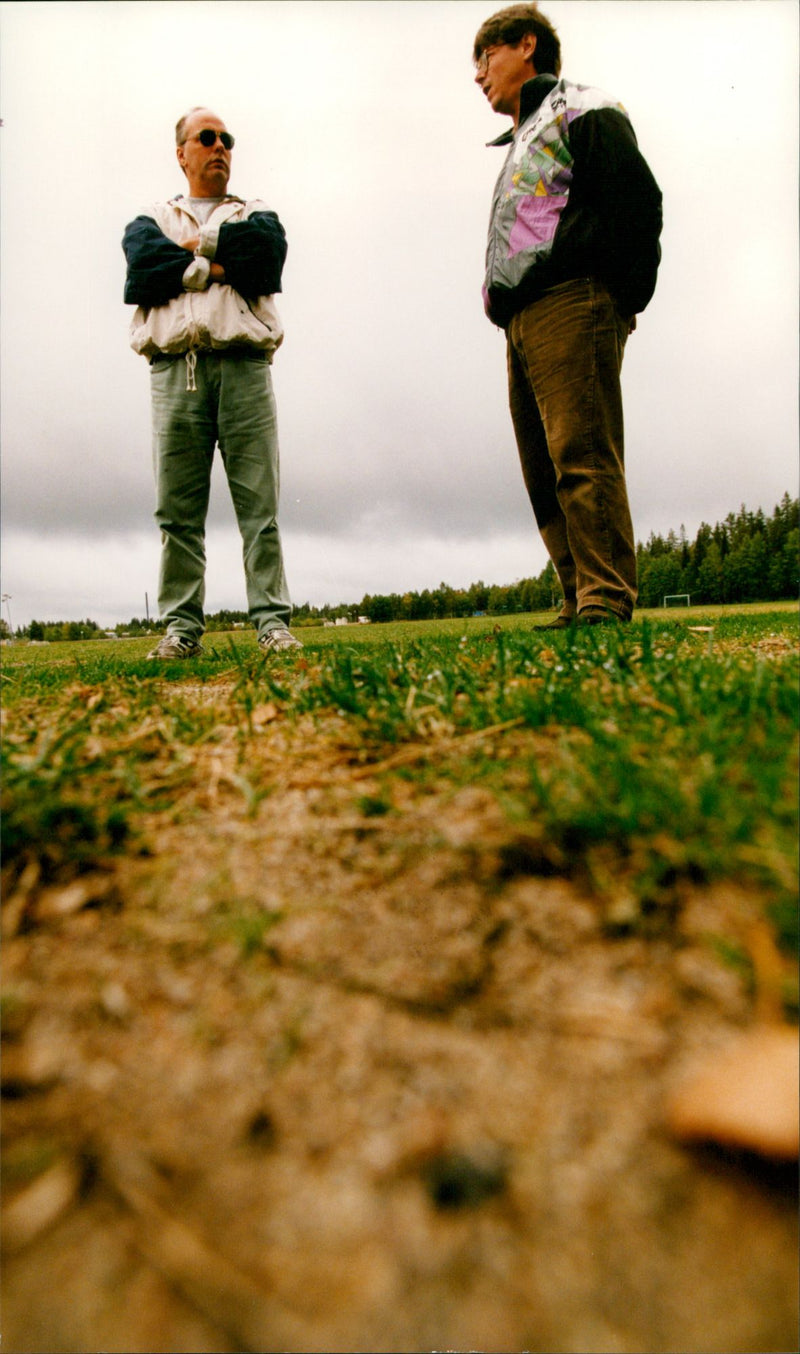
[395,436]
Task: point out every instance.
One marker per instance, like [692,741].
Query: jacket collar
[532,96]
[183,201]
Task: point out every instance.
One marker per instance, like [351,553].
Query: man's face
[503,70]
[207,168]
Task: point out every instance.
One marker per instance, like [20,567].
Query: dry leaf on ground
[744,1096]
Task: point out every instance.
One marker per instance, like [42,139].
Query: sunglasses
[208,138]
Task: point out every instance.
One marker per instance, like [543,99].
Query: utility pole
[147,608]
[7,598]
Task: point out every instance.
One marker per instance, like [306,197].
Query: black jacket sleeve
[155,264]
[614,211]
[252,252]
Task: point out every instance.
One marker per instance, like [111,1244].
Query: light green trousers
[223,399]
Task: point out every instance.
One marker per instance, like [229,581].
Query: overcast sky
[359,123]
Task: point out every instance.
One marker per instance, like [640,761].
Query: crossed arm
[249,257]
[216,270]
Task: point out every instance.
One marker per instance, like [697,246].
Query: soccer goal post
[678,598]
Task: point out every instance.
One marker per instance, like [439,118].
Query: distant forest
[747,558]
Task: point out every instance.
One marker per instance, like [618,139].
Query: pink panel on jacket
[535,222]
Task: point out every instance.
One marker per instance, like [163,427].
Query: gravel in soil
[343,1074]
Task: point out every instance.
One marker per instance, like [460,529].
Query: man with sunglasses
[572,258]
[202,273]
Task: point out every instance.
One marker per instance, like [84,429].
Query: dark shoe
[560,623]
[596,616]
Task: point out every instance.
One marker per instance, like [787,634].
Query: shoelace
[191,363]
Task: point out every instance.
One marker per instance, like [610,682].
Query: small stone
[115,1001]
[465,1180]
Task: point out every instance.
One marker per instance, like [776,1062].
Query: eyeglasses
[208,138]
[482,64]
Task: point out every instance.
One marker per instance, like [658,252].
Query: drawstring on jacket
[191,363]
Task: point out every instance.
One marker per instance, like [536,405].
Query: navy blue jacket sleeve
[155,264]
[252,252]
[615,197]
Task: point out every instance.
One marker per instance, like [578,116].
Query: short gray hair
[180,126]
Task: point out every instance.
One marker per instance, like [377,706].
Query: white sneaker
[278,639]
[176,646]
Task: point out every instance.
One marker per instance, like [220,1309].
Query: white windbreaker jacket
[201,316]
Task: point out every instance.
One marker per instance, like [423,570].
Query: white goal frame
[678,597]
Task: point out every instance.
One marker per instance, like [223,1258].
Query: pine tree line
[747,558]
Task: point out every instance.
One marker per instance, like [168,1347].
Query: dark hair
[509,26]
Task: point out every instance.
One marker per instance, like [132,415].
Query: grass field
[346,994]
[671,744]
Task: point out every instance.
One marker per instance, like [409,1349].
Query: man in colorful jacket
[202,272]
[572,258]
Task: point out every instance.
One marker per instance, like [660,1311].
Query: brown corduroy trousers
[564,361]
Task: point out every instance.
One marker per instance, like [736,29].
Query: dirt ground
[325,1077]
